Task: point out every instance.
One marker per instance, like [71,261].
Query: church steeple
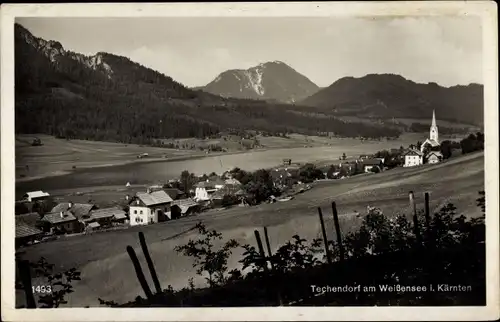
[433,135]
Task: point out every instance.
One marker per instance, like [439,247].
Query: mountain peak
[267,81]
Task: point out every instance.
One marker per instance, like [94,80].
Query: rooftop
[79,210]
[37,194]
[56,218]
[115,212]
[24,230]
[154,198]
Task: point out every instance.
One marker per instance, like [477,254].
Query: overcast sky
[193,51]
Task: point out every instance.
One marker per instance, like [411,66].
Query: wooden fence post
[139,273]
[25,275]
[337,230]
[151,266]
[416,228]
[261,249]
[325,240]
[268,244]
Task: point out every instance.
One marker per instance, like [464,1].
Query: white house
[433,140]
[150,207]
[434,157]
[36,195]
[413,158]
[203,190]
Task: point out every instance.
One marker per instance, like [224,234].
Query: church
[415,157]
[433,140]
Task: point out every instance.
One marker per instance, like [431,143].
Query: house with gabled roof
[26,233]
[80,210]
[184,207]
[106,216]
[149,207]
[61,222]
[204,189]
[369,164]
[413,158]
[434,157]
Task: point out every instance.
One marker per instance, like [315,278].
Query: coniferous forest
[110,98]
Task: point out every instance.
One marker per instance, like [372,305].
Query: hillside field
[102,258]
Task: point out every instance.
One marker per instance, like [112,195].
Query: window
[135,212]
[141,212]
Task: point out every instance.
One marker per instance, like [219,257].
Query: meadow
[102,258]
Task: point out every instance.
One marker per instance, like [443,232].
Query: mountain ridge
[391,95]
[111,98]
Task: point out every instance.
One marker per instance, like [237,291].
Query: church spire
[434,136]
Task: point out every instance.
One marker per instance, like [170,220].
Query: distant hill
[111,98]
[388,96]
[274,81]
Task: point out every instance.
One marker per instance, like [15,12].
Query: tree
[188,180]
[207,259]
[261,185]
[344,156]
[309,173]
[445,149]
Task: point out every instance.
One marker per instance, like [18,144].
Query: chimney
[126,197]
[70,204]
[62,214]
[148,190]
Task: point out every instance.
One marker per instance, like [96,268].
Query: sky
[194,50]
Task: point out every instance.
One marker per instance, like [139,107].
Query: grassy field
[59,156]
[108,273]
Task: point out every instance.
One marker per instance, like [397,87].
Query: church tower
[434,134]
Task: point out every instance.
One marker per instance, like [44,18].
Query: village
[39,218]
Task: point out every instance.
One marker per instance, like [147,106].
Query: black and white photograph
[236,156]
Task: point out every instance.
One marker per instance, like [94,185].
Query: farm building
[204,189]
[81,211]
[369,164]
[106,216]
[36,195]
[413,158]
[227,190]
[149,207]
[26,233]
[175,193]
[61,222]
[434,157]
[184,207]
